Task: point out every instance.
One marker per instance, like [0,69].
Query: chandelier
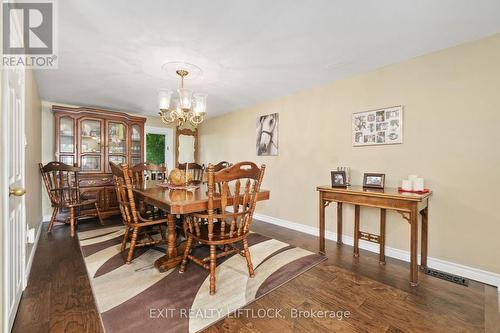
[184,106]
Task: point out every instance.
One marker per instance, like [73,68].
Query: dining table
[179,202]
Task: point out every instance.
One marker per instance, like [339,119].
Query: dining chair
[195,168]
[148,171]
[221,165]
[132,218]
[63,187]
[144,172]
[219,228]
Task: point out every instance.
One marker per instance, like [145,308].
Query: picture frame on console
[374,180]
[339,179]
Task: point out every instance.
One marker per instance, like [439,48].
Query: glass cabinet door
[66,135]
[67,159]
[91,136]
[135,161]
[117,138]
[136,146]
[117,159]
[91,163]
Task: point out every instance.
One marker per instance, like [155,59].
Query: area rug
[138,298]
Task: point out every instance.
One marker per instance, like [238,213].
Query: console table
[409,205]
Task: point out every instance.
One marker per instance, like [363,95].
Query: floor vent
[447,276]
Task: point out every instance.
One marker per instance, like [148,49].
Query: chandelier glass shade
[184,106]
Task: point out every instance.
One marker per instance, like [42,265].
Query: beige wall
[451,100]
[48,143]
[33,128]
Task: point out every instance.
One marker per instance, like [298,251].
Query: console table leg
[423,257]
[339,223]
[413,247]
[382,236]
[321,225]
[356,230]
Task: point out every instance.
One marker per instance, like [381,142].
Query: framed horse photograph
[267,135]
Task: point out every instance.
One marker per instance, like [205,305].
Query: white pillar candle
[412,177]
[407,185]
[418,184]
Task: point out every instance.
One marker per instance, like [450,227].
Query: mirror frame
[190,132]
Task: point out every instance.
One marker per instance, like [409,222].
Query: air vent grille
[447,276]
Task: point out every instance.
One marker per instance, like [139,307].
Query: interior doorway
[159,142]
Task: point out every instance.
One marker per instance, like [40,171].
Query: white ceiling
[111,52]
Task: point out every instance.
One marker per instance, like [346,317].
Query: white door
[12,181]
[162,138]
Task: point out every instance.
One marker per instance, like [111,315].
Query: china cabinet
[91,138]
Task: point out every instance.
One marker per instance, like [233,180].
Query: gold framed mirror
[186,145]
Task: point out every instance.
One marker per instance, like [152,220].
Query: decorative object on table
[414,184]
[151,289]
[378,127]
[267,135]
[339,179]
[406,185]
[179,177]
[418,184]
[185,106]
[374,180]
[347,171]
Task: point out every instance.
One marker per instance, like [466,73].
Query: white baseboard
[439,264]
[32,255]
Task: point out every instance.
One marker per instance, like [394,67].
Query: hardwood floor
[59,298]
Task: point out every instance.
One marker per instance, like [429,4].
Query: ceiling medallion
[184,106]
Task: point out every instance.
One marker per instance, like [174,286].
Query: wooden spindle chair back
[63,188]
[195,169]
[218,167]
[148,171]
[241,180]
[124,193]
[221,165]
[61,182]
[132,218]
[229,215]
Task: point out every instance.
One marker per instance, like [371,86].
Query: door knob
[17,191]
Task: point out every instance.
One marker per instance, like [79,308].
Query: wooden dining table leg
[171,236]
[356,230]
[171,259]
[321,224]
[423,256]
[382,236]
[339,223]
[413,247]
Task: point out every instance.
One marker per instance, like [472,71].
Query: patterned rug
[138,298]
